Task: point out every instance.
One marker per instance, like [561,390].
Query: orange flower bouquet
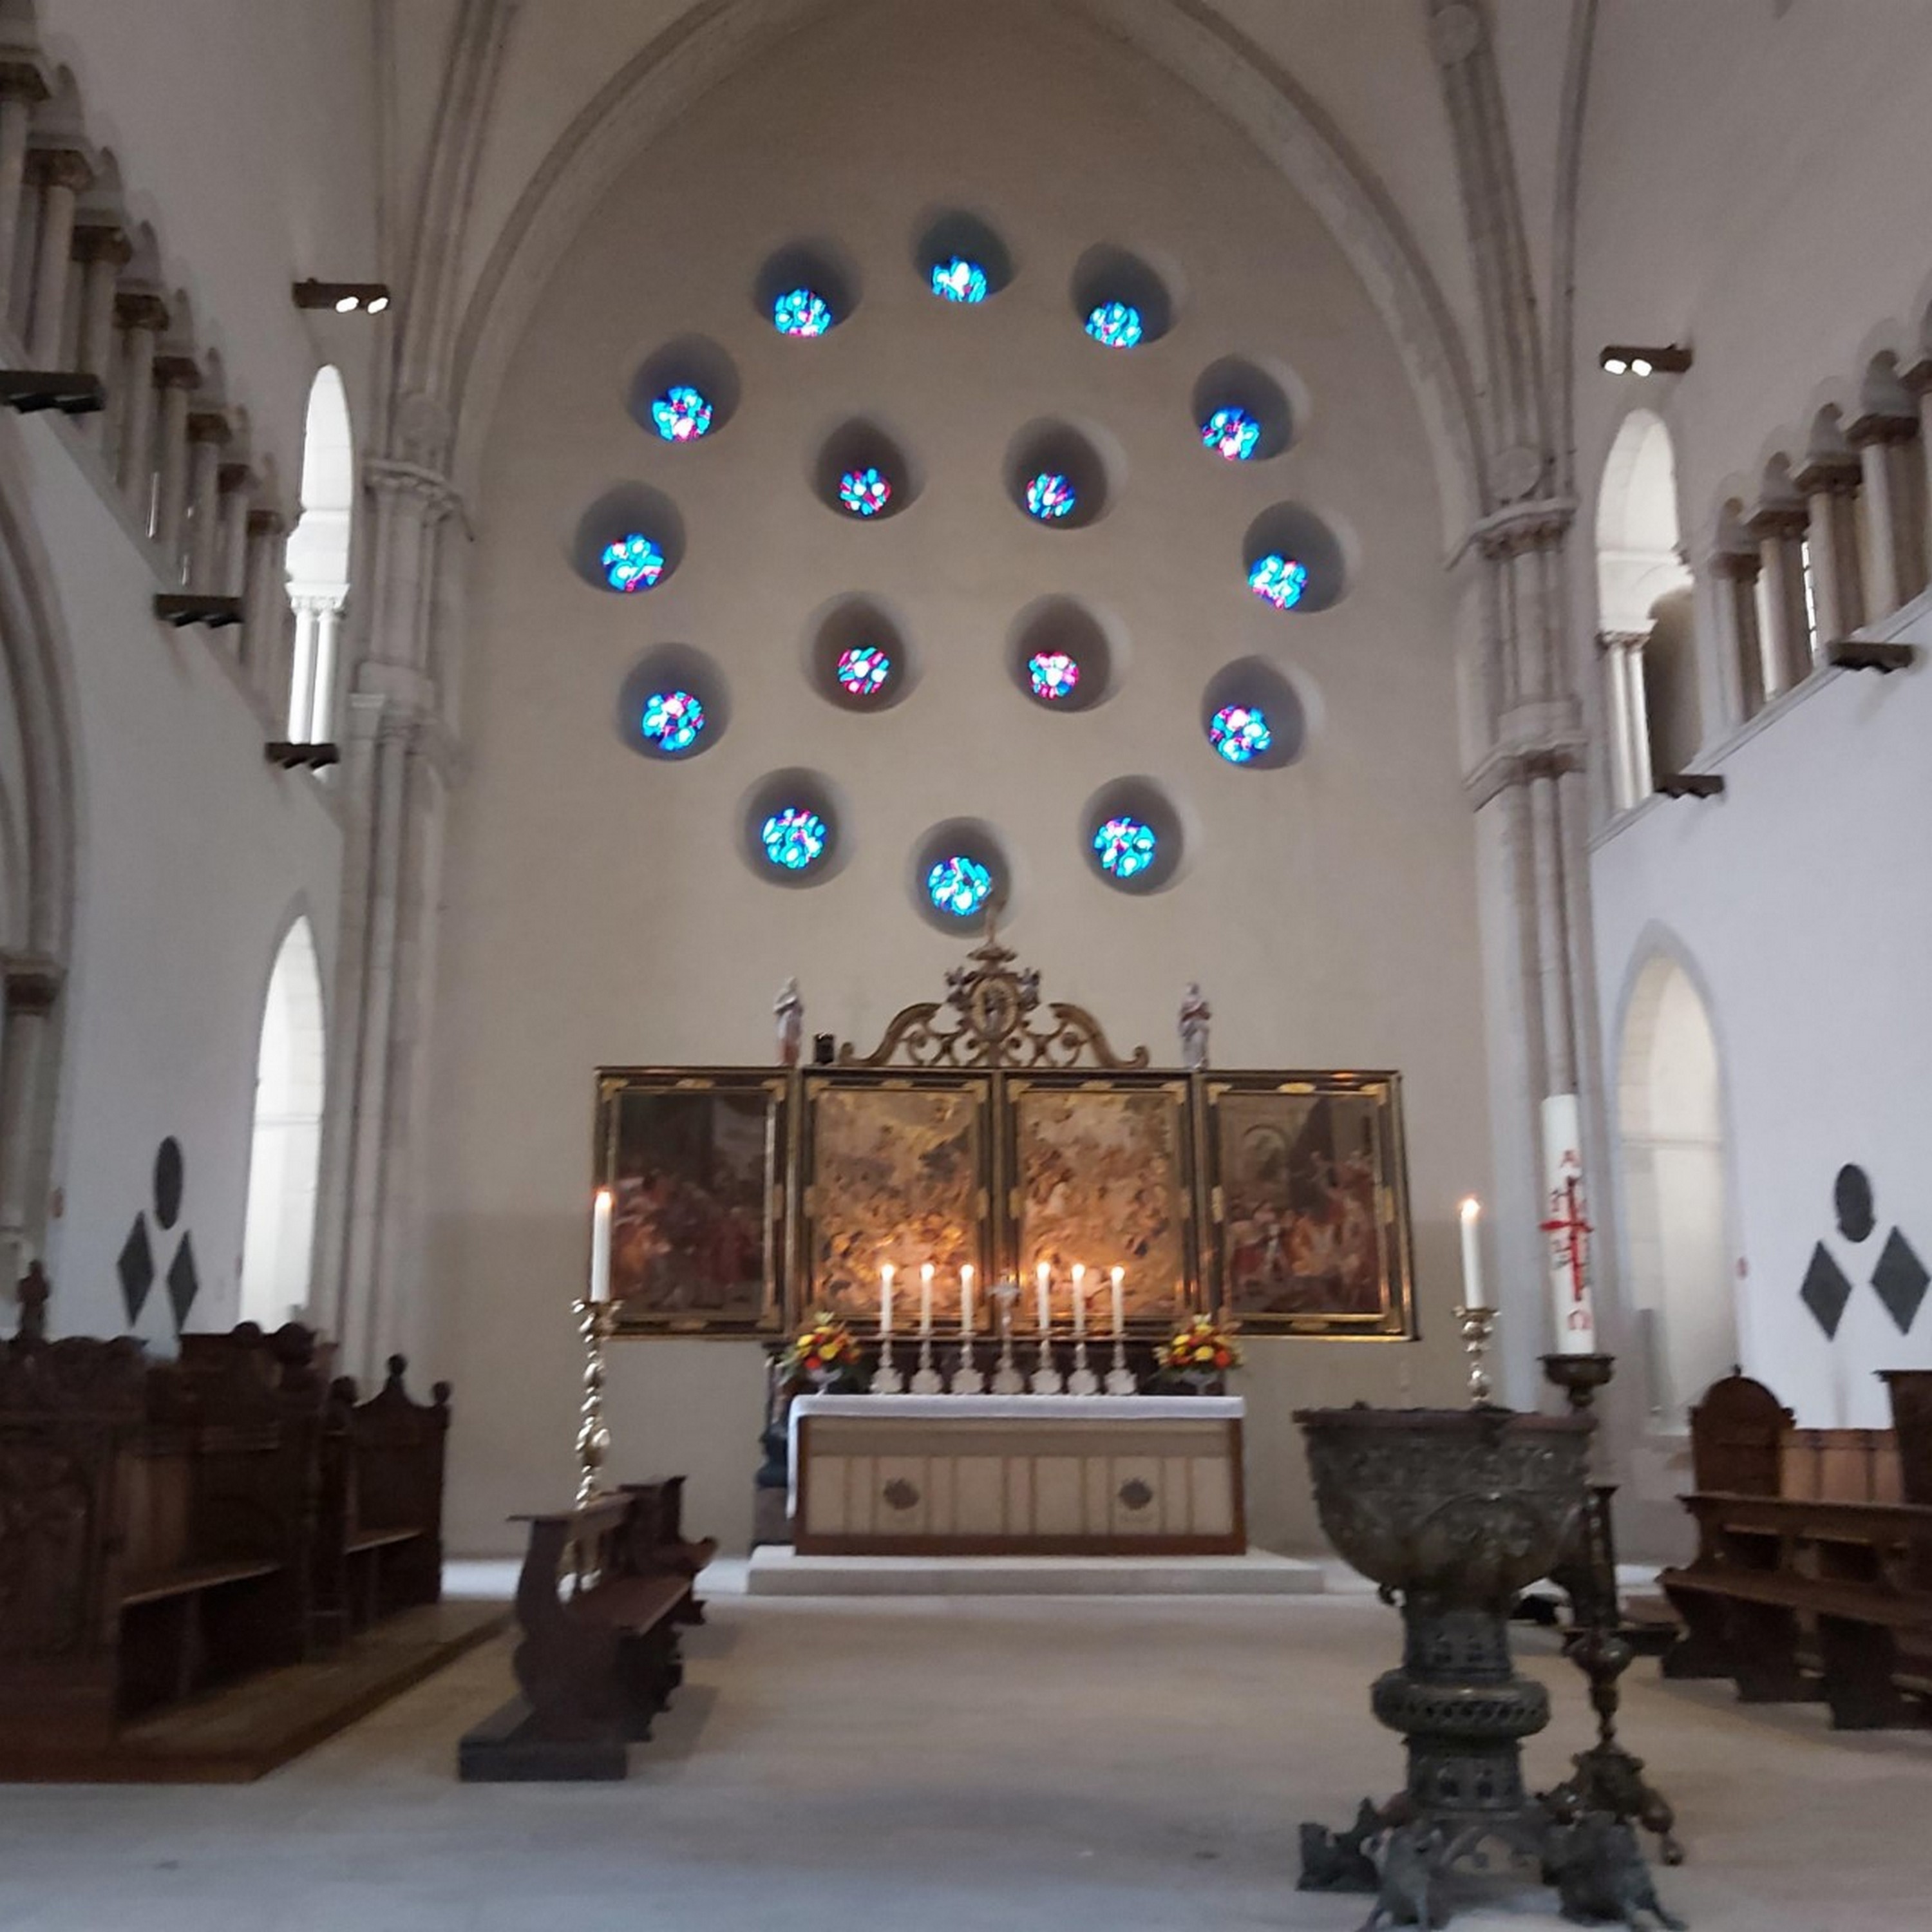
[1201,1354]
[824,1352]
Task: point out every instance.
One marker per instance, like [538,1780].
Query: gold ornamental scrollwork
[992,1016]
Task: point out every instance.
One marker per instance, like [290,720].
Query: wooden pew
[603,1594]
[1812,1579]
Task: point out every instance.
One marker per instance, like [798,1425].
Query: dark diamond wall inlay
[1825,1290]
[1900,1278]
[184,1284]
[136,1267]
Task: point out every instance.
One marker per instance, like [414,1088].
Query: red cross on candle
[1572,1232]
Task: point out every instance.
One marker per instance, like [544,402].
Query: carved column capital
[1542,524]
[264,521]
[437,496]
[1737,566]
[1787,522]
[32,984]
[1863,432]
[102,241]
[1830,476]
[141,308]
[177,372]
[22,80]
[1622,640]
[209,426]
[61,167]
[233,476]
[1918,377]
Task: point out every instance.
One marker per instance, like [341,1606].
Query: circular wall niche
[1057,474]
[846,643]
[795,275]
[1120,299]
[1286,539]
[1053,635]
[673,704]
[863,473]
[659,399]
[632,534]
[791,829]
[970,863]
[952,246]
[1113,824]
[1255,715]
[1241,413]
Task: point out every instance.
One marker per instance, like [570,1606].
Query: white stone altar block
[1006,1475]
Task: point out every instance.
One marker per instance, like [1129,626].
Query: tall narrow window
[318,560]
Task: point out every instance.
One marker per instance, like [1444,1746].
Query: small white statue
[1195,1015]
[788,1010]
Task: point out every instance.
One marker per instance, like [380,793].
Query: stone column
[1918,379]
[177,376]
[236,483]
[103,251]
[1830,486]
[1735,572]
[264,605]
[63,175]
[321,700]
[142,318]
[1620,654]
[1779,529]
[22,85]
[31,987]
[208,434]
[1894,510]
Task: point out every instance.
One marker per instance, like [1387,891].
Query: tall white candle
[1043,1278]
[1472,1254]
[1566,1227]
[925,1299]
[1120,1303]
[1079,1298]
[966,1301]
[885,1299]
[600,1246]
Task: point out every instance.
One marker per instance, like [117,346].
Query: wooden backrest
[1839,1465]
[398,1448]
[1737,1434]
[1911,1393]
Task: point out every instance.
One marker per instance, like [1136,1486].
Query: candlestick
[1079,1298]
[600,1246]
[925,1299]
[1476,1324]
[593,1438]
[1043,1279]
[1046,1377]
[886,1301]
[1007,1379]
[1120,1379]
[1472,1255]
[926,1379]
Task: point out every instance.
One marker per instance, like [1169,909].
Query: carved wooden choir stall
[168,1528]
[1812,1578]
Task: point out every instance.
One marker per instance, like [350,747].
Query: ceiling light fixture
[1624,359]
[344,298]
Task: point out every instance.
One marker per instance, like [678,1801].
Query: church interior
[959,959]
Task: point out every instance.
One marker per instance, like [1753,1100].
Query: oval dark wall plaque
[1852,1196]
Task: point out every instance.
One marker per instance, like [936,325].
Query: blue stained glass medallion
[794,838]
[863,670]
[1279,580]
[1115,324]
[673,720]
[1231,432]
[802,312]
[1054,675]
[865,492]
[1239,732]
[1126,846]
[1050,496]
[959,886]
[959,280]
[682,414]
[632,562]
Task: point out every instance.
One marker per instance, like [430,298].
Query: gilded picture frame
[1308,1203]
[1102,1171]
[895,1169]
[697,1160]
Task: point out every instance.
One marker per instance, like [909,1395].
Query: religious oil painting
[696,1165]
[1103,1176]
[894,1175]
[1310,1206]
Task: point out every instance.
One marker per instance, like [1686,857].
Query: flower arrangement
[823,1350]
[1203,1347]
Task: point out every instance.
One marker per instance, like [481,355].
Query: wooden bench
[1812,1579]
[601,1599]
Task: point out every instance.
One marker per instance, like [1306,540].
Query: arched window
[318,559]
[278,1236]
[1649,668]
[1670,1121]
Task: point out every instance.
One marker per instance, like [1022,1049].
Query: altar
[989,1475]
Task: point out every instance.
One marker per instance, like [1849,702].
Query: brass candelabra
[593,1438]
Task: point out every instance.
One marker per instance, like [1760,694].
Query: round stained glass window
[1054,674]
[1050,496]
[1115,324]
[633,563]
[1279,580]
[1126,846]
[682,414]
[864,492]
[801,312]
[959,886]
[672,720]
[959,280]
[1239,732]
[863,670]
[794,838]
[1231,432]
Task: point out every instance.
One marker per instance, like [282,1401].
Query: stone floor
[948,1764]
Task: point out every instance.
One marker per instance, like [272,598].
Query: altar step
[778,1570]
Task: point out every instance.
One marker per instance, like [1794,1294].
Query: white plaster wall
[596,908]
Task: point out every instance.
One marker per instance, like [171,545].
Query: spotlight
[344,298]
[1624,359]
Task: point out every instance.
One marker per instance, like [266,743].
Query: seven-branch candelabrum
[593,1439]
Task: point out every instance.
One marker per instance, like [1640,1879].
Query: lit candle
[966,1302]
[1079,1297]
[925,1299]
[1044,1277]
[1472,1254]
[600,1246]
[885,1299]
[1120,1303]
